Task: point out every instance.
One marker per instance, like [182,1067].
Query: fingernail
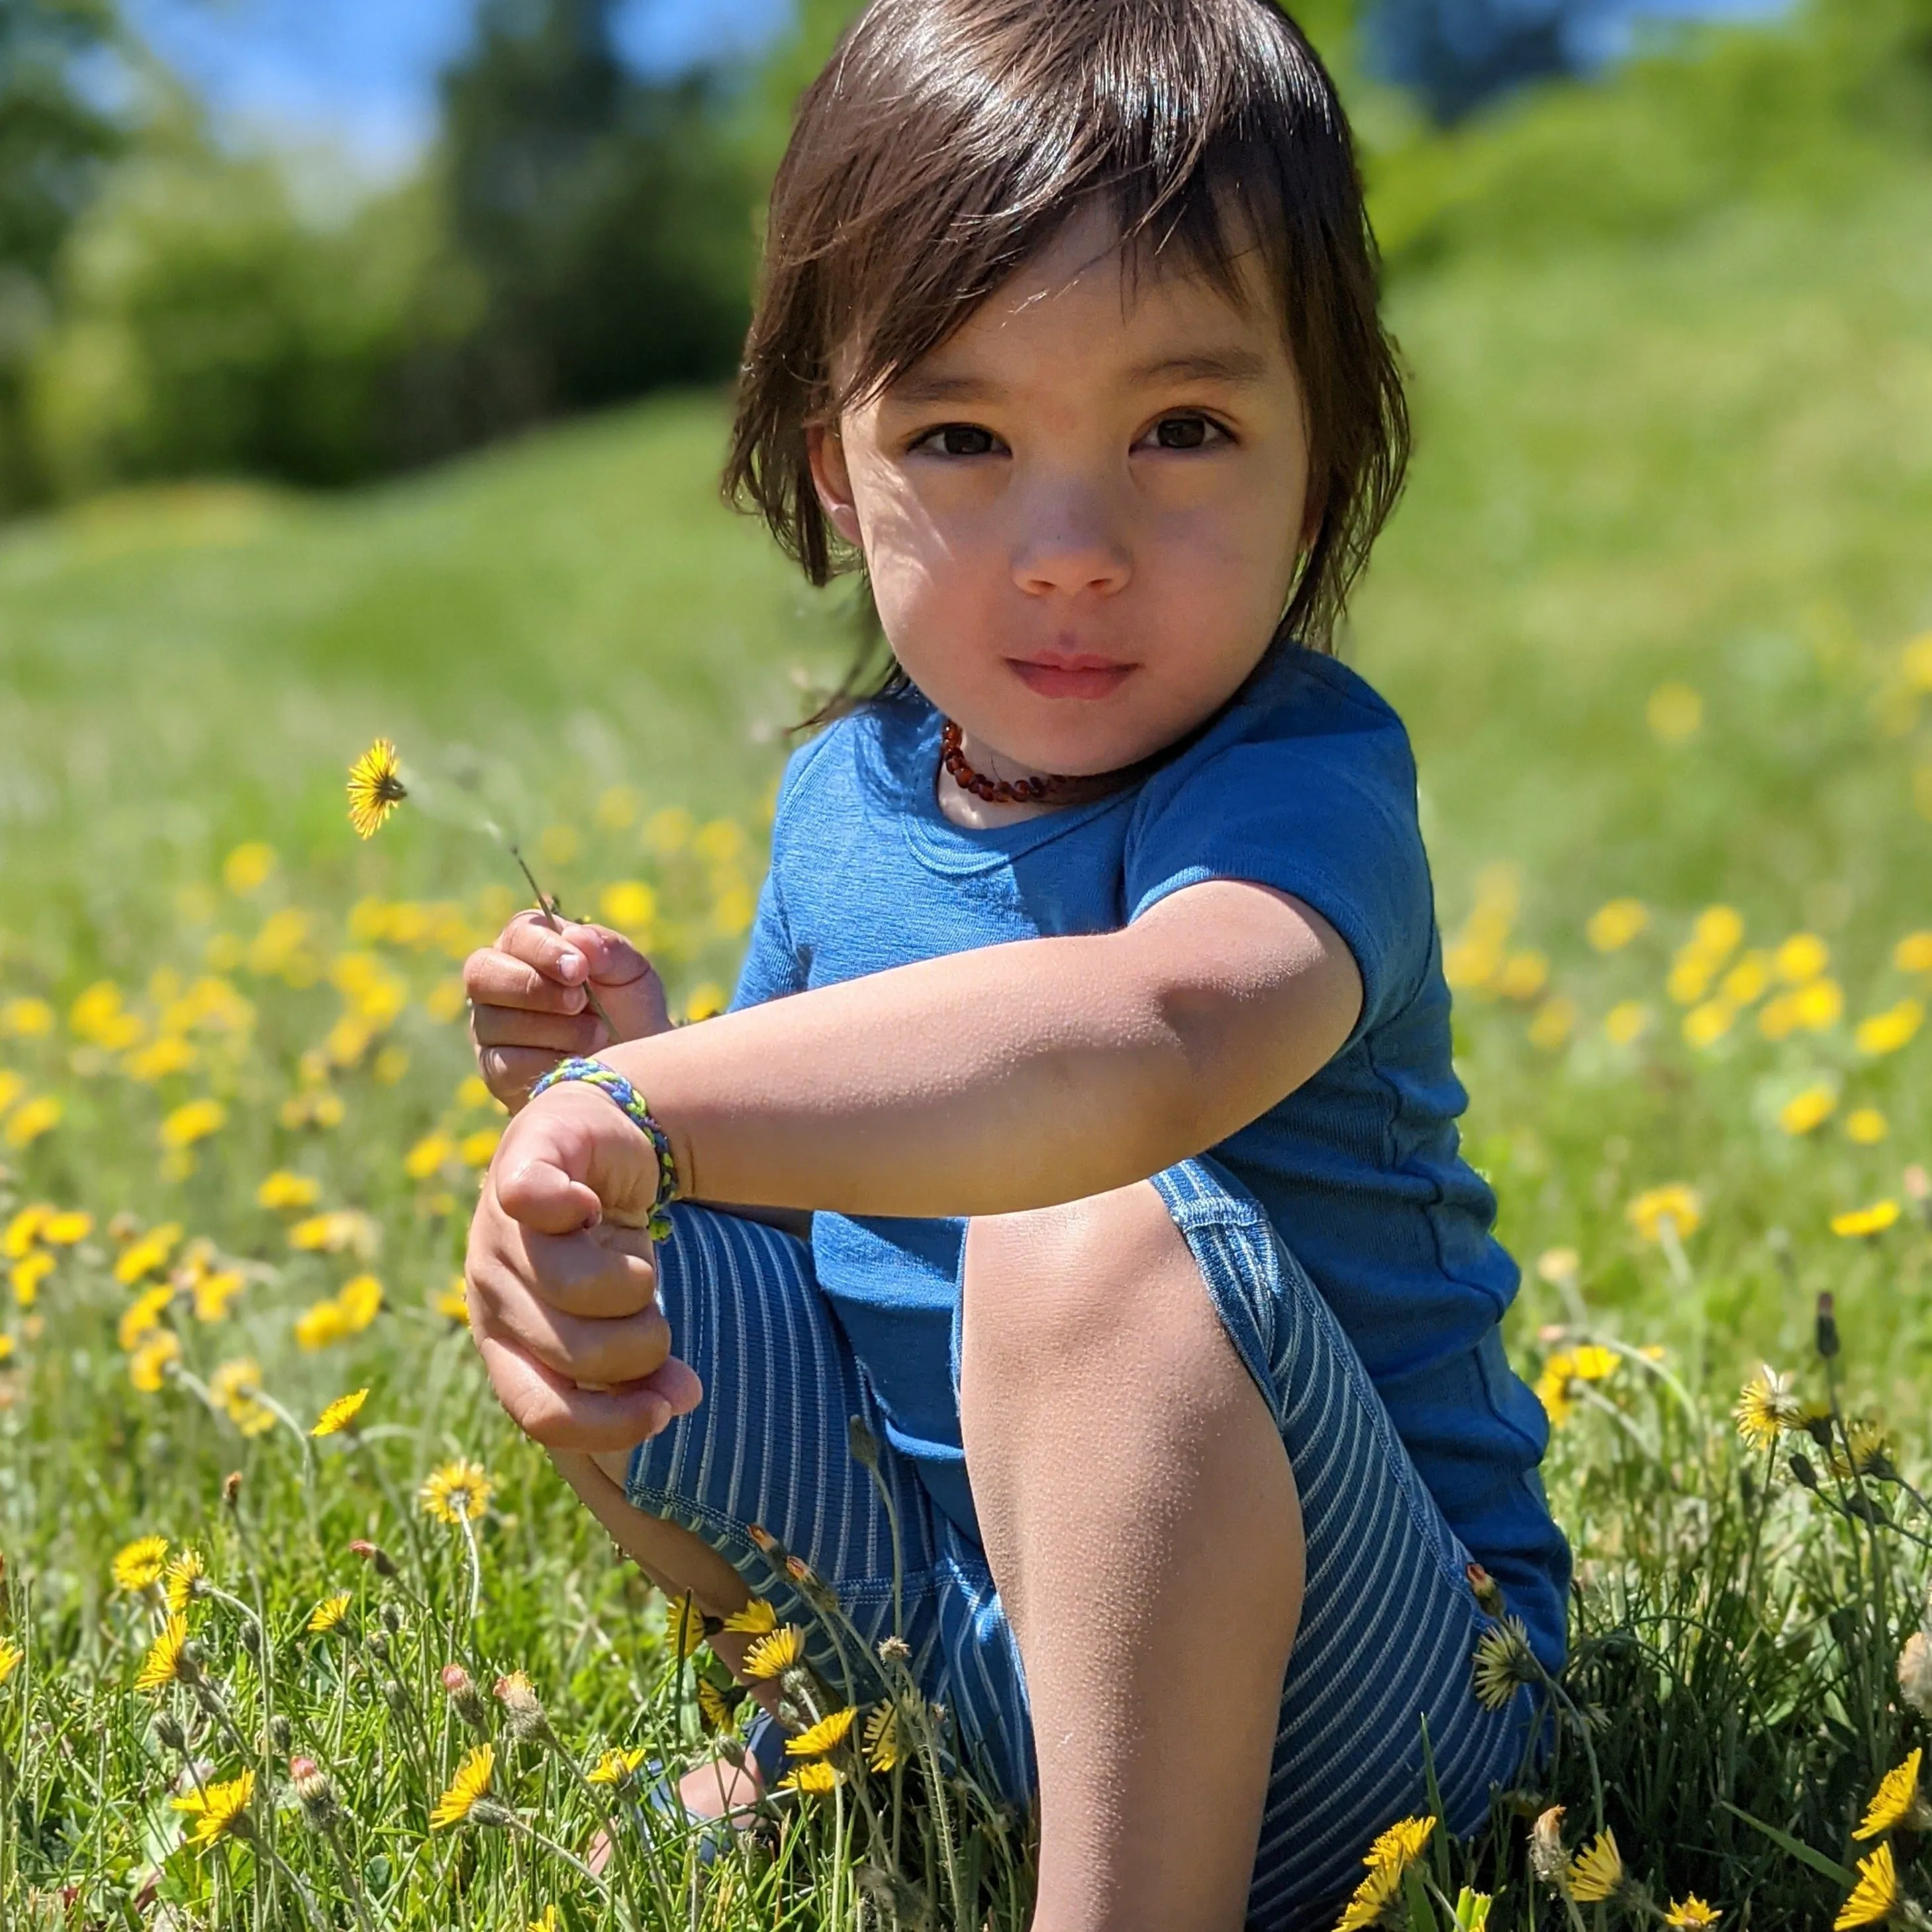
[570,960]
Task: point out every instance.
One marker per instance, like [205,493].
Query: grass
[1647,609]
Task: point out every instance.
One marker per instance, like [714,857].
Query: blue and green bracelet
[608,1080]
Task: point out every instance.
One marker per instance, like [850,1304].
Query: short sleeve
[1323,809]
[774,966]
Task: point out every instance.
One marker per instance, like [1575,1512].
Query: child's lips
[1081,675]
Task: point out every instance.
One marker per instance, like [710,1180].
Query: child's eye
[1186,432]
[959,439]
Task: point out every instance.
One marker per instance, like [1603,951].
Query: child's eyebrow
[1240,368]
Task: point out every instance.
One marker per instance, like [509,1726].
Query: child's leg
[1141,1522]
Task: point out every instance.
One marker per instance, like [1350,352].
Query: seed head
[1914,1673]
[523,1716]
[1547,1858]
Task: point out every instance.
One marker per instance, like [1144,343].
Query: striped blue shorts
[1388,1623]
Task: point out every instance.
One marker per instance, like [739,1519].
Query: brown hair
[947,141]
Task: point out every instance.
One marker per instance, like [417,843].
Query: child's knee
[1052,1278]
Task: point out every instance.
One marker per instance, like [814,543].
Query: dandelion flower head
[1597,1871]
[816,1779]
[1896,1799]
[827,1735]
[219,1810]
[1690,1914]
[138,1565]
[341,1413]
[772,1656]
[1767,1405]
[177,1581]
[1875,1895]
[616,1767]
[471,1783]
[328,1613]
[162,1666]
[376,788]
[458,1492]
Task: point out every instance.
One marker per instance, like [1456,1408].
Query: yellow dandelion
[1913,953]
[687,1626]
[458,1492]
[213,1292]
[1876,1896]
[1613,926]
[142,1316]
[192,1122]
[827,1735]
[27,1274]
[452,1303]
[1887,1031]
[772,1656]
[1868,1450]
[1597,1871]
[1401,1845]
[1866,1126]
[471,1783]
[1504,1663]
[548,1920]
[66,1230]
[1800,958]
[148,1255]
[713,1713]
[615,1767]
[148,1366]
[138,1565]
[1873,1220]
[321,1324]
[1804,1112]
[1691,1914]
[816,1779]
[881,1737]
[1372,1900]
[427,1155]
[341,1413]
[1680,1206]
[328,1613]
[1626,1022]
[284,1189]
[179,1578]
[219,1811]
[1767,1405]
[1896,1799]
[163,1664]
[32,1119]
[11,1654]
[376,788]
[1552,1388]
[1593,1363]
[757,1619]
[360,1301]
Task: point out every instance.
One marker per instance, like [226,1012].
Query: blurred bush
[54,142]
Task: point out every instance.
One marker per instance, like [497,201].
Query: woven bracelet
[608,1080]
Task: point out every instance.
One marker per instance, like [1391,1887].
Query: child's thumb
[570,1159]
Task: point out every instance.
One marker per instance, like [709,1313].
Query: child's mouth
[1081,675]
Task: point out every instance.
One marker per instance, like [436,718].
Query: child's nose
[1069,540]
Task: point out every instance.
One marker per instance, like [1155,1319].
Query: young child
[1094,1012]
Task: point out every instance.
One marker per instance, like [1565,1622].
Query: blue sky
[360,74]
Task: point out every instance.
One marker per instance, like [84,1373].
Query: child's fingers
[608,1353]
[558,1033]
[492,977]
[605,1274]
[530,937]
[626,983]
[550,1409]
[570,1160]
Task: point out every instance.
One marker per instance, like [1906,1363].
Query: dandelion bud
[231,1489]
[314,1792]
[395,1696]
[865,1445]
[487,1811]
[378,1559]
[392,1619]
[1547,1858]
[768,1544]
[171,1737]
[463,1695]
[377,1645]
[1914,1673]
[523,1713]
[1802,1473]
[1488,1591]
[1828,1326]
[281,1733]
[731,1749]
[250,1638]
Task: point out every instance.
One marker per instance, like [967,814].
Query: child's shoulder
[858,758]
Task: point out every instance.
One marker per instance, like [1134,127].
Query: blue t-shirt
[1306,783]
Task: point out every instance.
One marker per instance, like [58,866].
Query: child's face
[1081,514]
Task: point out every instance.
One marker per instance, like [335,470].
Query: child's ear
[832,477]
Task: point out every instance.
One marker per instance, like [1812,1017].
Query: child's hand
[530,1006]
[563,1282]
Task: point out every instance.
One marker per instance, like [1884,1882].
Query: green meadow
[1658,608]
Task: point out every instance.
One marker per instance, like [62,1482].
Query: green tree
[55,143]
[608,218]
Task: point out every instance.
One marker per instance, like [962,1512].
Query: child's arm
[981,1083]
[1012,1077]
